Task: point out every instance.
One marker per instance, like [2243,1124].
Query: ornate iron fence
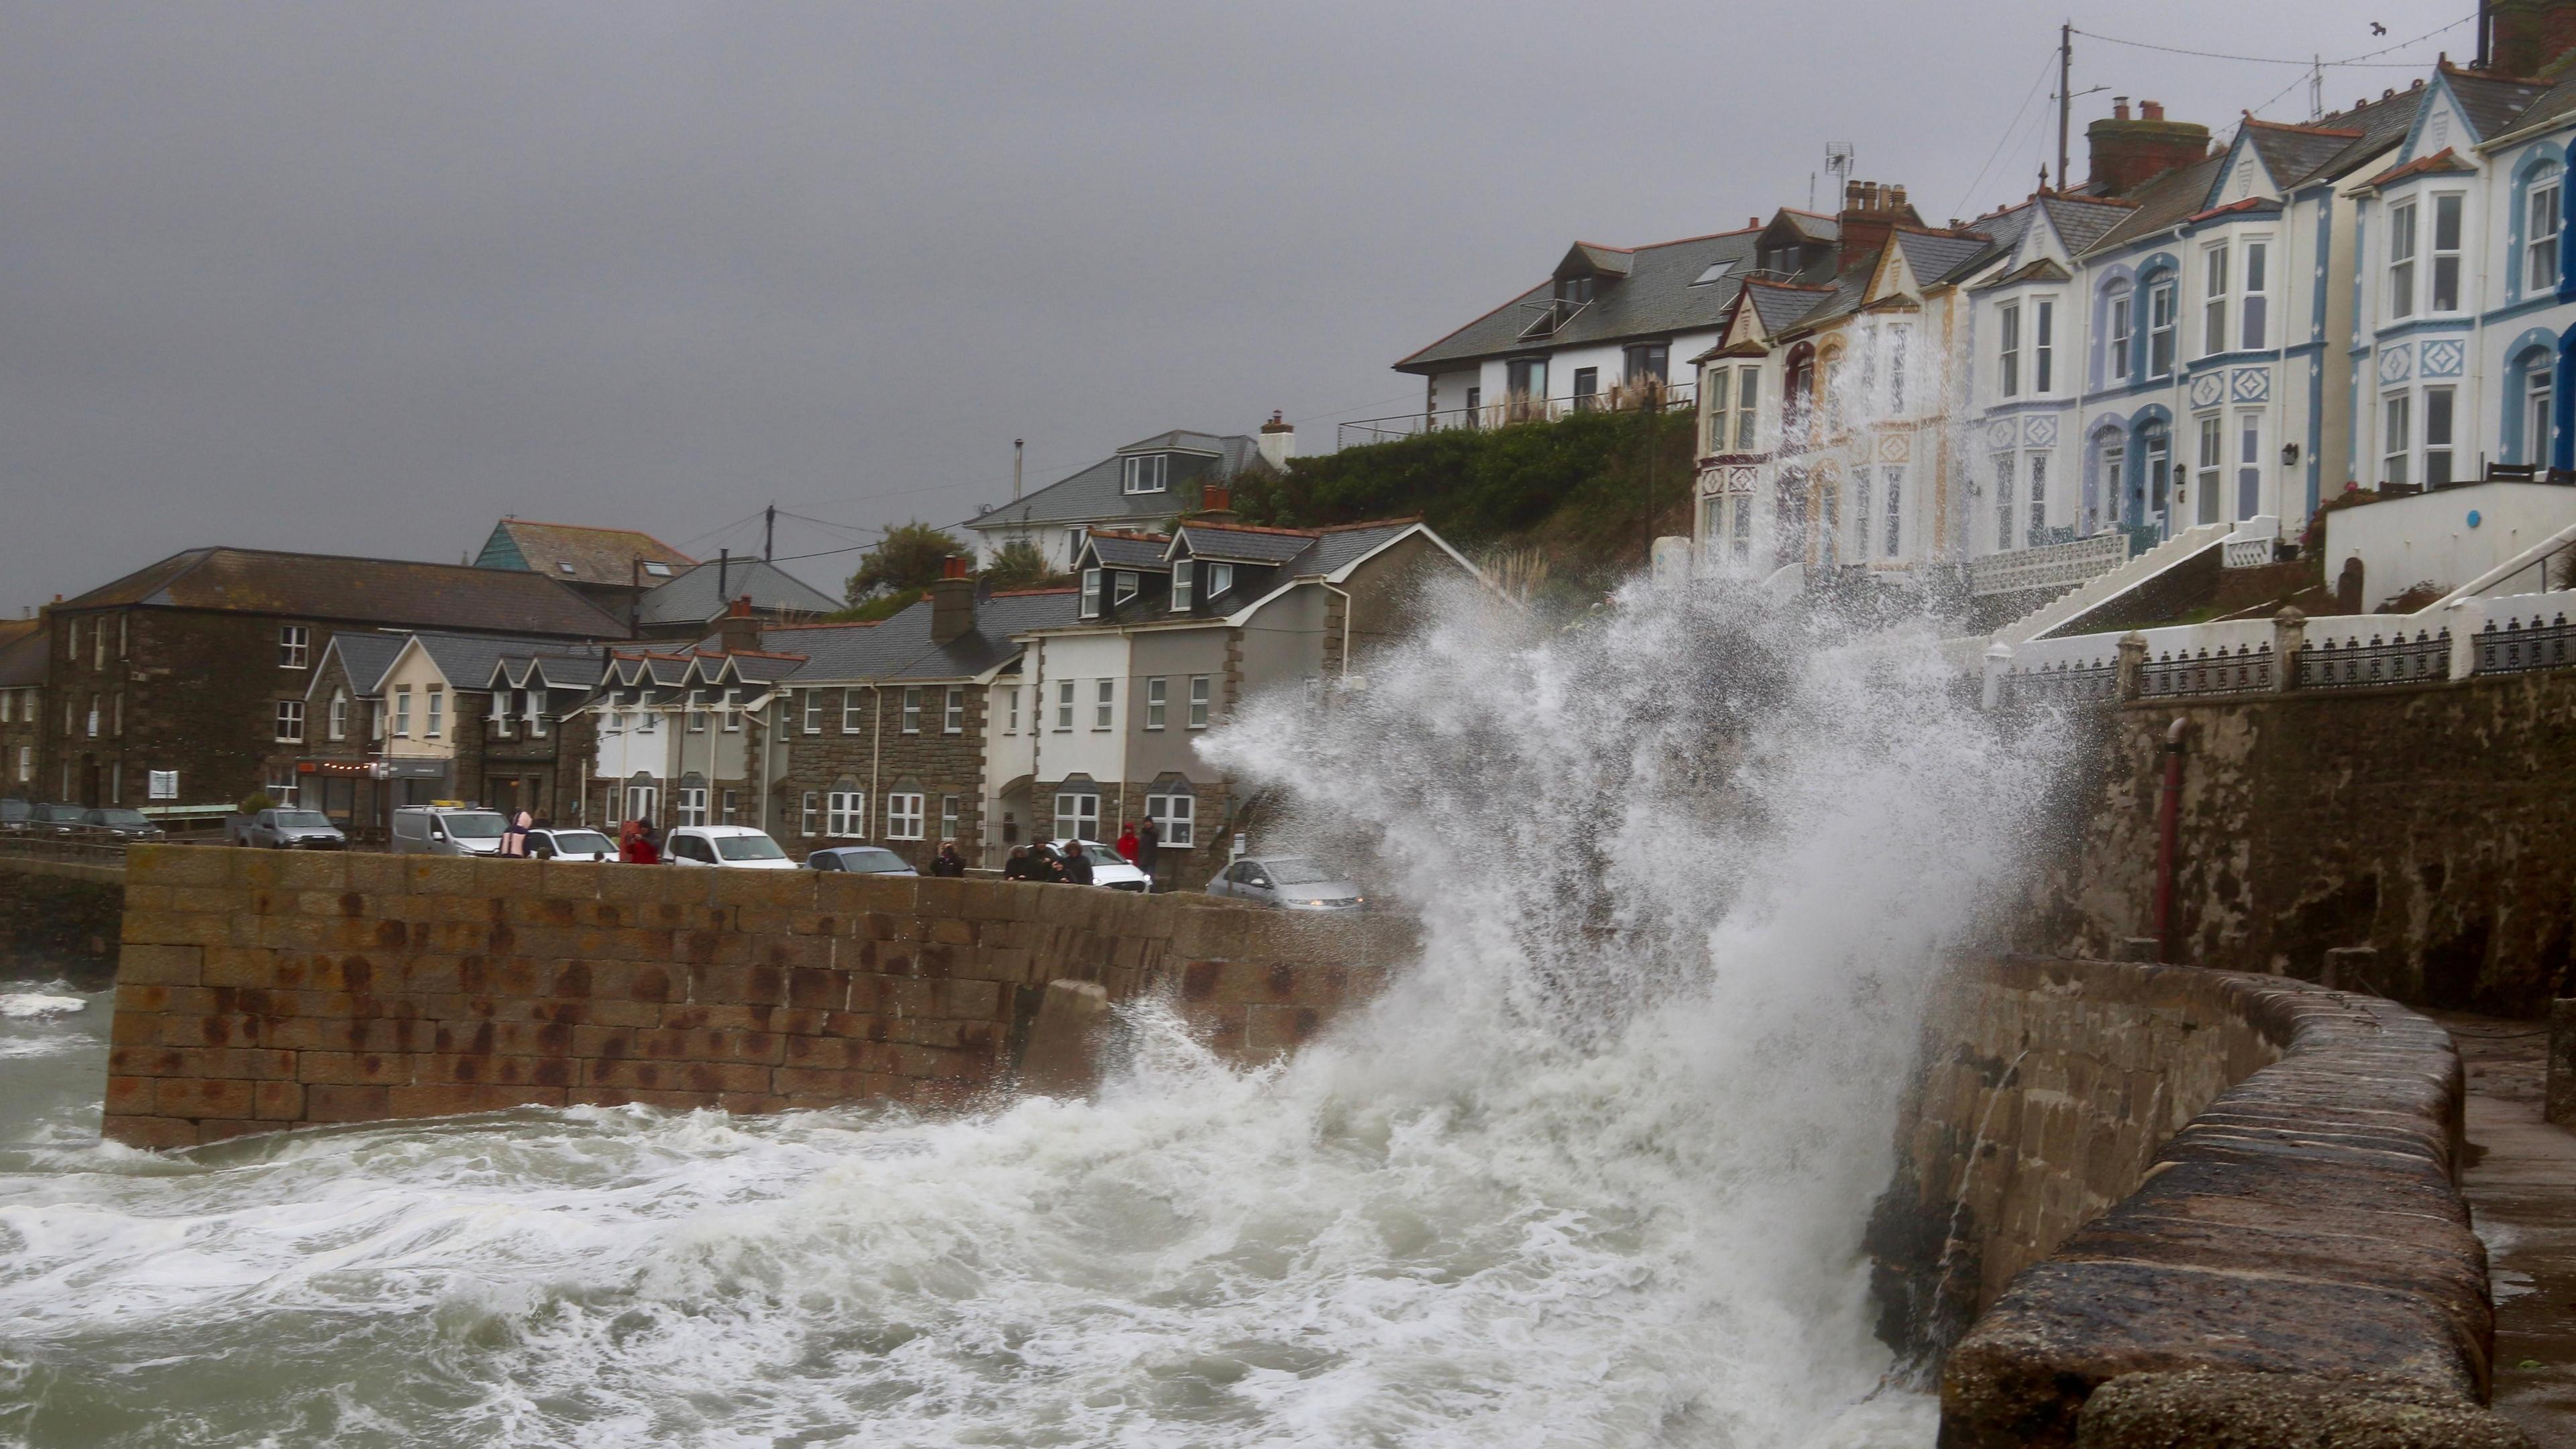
[2518,645]
[2353,664]
[2064,684]
[2246,669]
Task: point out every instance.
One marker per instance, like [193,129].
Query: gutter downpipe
[876,742]
[2168,829]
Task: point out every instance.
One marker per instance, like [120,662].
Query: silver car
[553,843]
[860,860]
[447,830]
[1292,882]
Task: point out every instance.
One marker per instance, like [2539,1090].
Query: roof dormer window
[1146,472]
[1573,291]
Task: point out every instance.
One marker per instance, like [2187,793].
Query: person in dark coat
[948,862]
[1017,867]
[1077,864]
[1149,846]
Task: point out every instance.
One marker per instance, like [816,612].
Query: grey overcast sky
[360,278]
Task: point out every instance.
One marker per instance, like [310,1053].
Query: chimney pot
[2119,108]
[1216,499]
[1753,223]
[2151,110]
[952,602]
[953,566]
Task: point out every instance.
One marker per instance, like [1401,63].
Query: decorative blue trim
[2562,405]
[2460,322]
[2525,306]
[2097,355]
[2316,430]
[2230,359]
[2536,347]
[2536,165]
[2567,228]
[2317,284]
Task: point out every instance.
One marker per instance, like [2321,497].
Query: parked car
[284,829]
[54,819]
[125,825]
[731,847]
[447,830]
[560,844]
[1108,867]
[15,816]
[860,860]
[1291,881]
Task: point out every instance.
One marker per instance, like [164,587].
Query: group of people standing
[1075,866]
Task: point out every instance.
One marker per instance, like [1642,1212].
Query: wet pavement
[2521,1187]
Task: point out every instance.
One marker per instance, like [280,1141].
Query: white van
[447,830]
[727,847]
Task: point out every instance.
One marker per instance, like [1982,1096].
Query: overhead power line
[2366,58]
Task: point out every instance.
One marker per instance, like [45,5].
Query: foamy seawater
[1592,1173]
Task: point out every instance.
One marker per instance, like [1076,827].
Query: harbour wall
[2423,833]
[260,990]
[60,917]
[2138,1204]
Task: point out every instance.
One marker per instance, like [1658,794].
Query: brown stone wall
[2434,823]
[257,991]
[937,762]
[2165,1182]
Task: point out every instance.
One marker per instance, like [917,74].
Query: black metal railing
[2065,684]
[2247,669]
[2519,645]
[2351,664]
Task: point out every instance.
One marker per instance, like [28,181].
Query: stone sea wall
[2168,1196]
[60,917]
[2430,823]
[259,990]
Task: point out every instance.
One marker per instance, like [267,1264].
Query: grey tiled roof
[2382,123]
[365,655]
[2080,221]
[1934,258]
[1662,295]
[2166,201]
[2492,103]
[373,590]
[2292,154]
[1097,494]
[1336,549]
[1243,545]
[2558,101]
[694,597]
[468,660]
[22,658]
[1780,306]
[1121,552]
[899,647]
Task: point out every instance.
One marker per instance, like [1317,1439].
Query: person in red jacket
[1127,842]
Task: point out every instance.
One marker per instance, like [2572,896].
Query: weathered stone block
[177,865]
[149,1130]
[156,965]
[201,1097]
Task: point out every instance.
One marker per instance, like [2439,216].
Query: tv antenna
[1838,164]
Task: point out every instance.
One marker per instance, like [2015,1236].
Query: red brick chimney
[2129,153]
[952,602]
[738,631]
[1870,213]
[1216,503]
[2529,34]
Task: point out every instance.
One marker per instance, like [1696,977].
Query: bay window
[1747,391]
[2160,329]
[2043,345]
[2204,478]
[2038,499]
[2213,304]
[2123,324]
[2256,308]
[2401,260]
[2008,339]
[2446,255]
[2438,409]
[2542,221]
[1716,388]
[2396,439]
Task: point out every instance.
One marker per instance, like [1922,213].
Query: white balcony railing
[2050,566]
[1670,397]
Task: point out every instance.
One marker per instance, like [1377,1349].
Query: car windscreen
[303,819]
[1294,871]
[873,862]
[58,812]
[470,824]
[748,847]
[118,817]
[583,842]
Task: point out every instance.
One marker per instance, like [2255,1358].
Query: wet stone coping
[2297,1267]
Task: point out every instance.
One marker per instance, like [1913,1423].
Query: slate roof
[1130,550]
[2292,154]
[693,597]
[367,590]
[1781,304]
[2164,202]
[1814,226]
[576,552]
[468,660]
[1337,548]
[2081,221]
[2445,162]
[899,647]
[365,655]
[2558,101]
[22,653]
[1660,296]
[1097,494]
[1242,544]
[2492,103]
[1934,256]
[2382,123]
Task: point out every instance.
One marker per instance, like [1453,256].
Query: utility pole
[1019,448]
[2065,95]
[2316,88]
[724,575]
[769,534]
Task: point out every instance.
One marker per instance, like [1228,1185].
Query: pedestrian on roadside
[1017,866]
[1077,865]
[648,844]
[1149,848]
[948,862]
[514,836]
[626,836]
[1127,842]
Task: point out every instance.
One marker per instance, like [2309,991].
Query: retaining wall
[2157,1182]
[2430,822]
[60,916]
[260,990]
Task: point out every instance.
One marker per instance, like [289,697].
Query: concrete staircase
[2102,589]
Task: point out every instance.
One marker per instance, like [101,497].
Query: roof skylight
[1715,271]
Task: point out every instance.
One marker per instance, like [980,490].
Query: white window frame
[697,712]
[290,721]
[693,804]
[2007,475]
[2396,439]
[1125,588]
[903,814]
[2164,325]
[952,719]
[1182,572]
[909,721]
[1063,705]
[1220,581]
[731,705]
[2215,263]
[1091,593]
[1145,473]
[1082,820]
[1011,716]
[845,815]
[810,808]
[1104,704]
[434,712]
[2043,346]
[2448,273]
[2008,348]
[1748,405]
[853,720]
[2254,293]
[813,721]
[1718,412]
[1202,693]
[2543,220]
[2249,465]
[2037,496]
[2540,412]
[2209,467]
[2441,429]
[1175,814]
[339,716]
[2401,259]
[2124,322]
[949,816]
[1157,690]
[294,646]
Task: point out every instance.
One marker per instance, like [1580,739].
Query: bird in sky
[2378,29]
